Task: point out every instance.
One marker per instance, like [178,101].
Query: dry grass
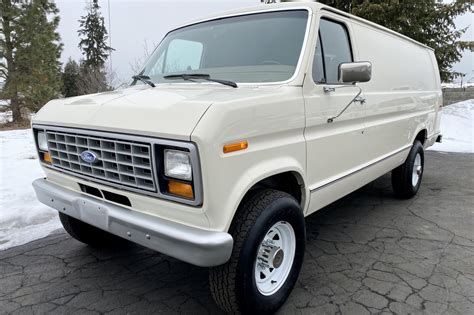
[22,124]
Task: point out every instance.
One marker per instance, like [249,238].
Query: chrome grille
[123,162]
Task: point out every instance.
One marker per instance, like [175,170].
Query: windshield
[256,48]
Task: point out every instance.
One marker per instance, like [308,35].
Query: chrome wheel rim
[417,170]
[275,258]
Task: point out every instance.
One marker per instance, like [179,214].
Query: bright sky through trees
[134,22]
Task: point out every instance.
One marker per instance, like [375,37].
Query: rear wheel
[406,179]
[269,241]
[89,234]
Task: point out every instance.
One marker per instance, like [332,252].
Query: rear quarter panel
[404,94]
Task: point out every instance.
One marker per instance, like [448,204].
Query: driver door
[334,150]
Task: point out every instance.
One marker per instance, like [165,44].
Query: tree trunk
[16,112]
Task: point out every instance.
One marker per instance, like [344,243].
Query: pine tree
[8,43]
[431,22]
[94,47]
[37,59]
[94,36]
[92,80]
[469,45]
[32,51]
[71,77]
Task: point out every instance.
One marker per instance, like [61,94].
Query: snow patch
[22,218]
[458,85]
[457,128]
[5,117]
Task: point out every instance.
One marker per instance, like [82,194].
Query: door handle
[328,89]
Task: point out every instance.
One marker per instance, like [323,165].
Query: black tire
[233,285]
[402,176]
[89,234]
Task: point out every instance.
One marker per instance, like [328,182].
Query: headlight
[178,165]
[42,141]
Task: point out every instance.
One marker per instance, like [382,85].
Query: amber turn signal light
[233,147]
[181,189]
[47,157]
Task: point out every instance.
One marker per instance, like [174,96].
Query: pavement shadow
[366,253]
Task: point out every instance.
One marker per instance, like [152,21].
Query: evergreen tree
[94,36]
[431,22]
[71,77]
[92,79]
[94,47]
[10,11]
[37,59]
[32,50]
[469,45]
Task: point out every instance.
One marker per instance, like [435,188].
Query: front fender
[228,178]
[272,121]
[261,171]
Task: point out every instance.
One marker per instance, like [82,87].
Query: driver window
[318,64]
[333,48]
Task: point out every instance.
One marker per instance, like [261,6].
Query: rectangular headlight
[42,141]
[178,165]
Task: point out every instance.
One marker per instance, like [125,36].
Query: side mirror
[353,72]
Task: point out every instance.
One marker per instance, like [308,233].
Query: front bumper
[195,246]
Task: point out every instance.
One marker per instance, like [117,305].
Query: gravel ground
[367,253]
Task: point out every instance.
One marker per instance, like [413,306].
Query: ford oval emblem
[89,157]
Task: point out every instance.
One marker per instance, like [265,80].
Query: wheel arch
[421,135]
[290,182]
[276,178]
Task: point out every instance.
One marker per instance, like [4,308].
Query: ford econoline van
[238,127]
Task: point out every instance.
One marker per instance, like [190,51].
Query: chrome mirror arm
[357,98]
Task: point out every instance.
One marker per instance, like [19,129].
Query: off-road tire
[402,175]
[89,234]
[233,284]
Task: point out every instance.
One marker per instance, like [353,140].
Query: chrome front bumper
[195,246]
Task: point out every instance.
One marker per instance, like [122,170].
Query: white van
[238,127]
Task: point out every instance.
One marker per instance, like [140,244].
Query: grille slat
[120,162]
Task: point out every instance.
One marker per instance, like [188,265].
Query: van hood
[164,111]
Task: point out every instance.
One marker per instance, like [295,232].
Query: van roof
[313,6]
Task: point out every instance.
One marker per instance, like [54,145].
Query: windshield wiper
[199,76]
[144,78]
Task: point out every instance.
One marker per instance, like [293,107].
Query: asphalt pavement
[367,253]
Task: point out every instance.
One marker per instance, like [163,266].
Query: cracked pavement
[367,253]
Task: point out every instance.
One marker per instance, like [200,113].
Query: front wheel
[269,240]
[406,179]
